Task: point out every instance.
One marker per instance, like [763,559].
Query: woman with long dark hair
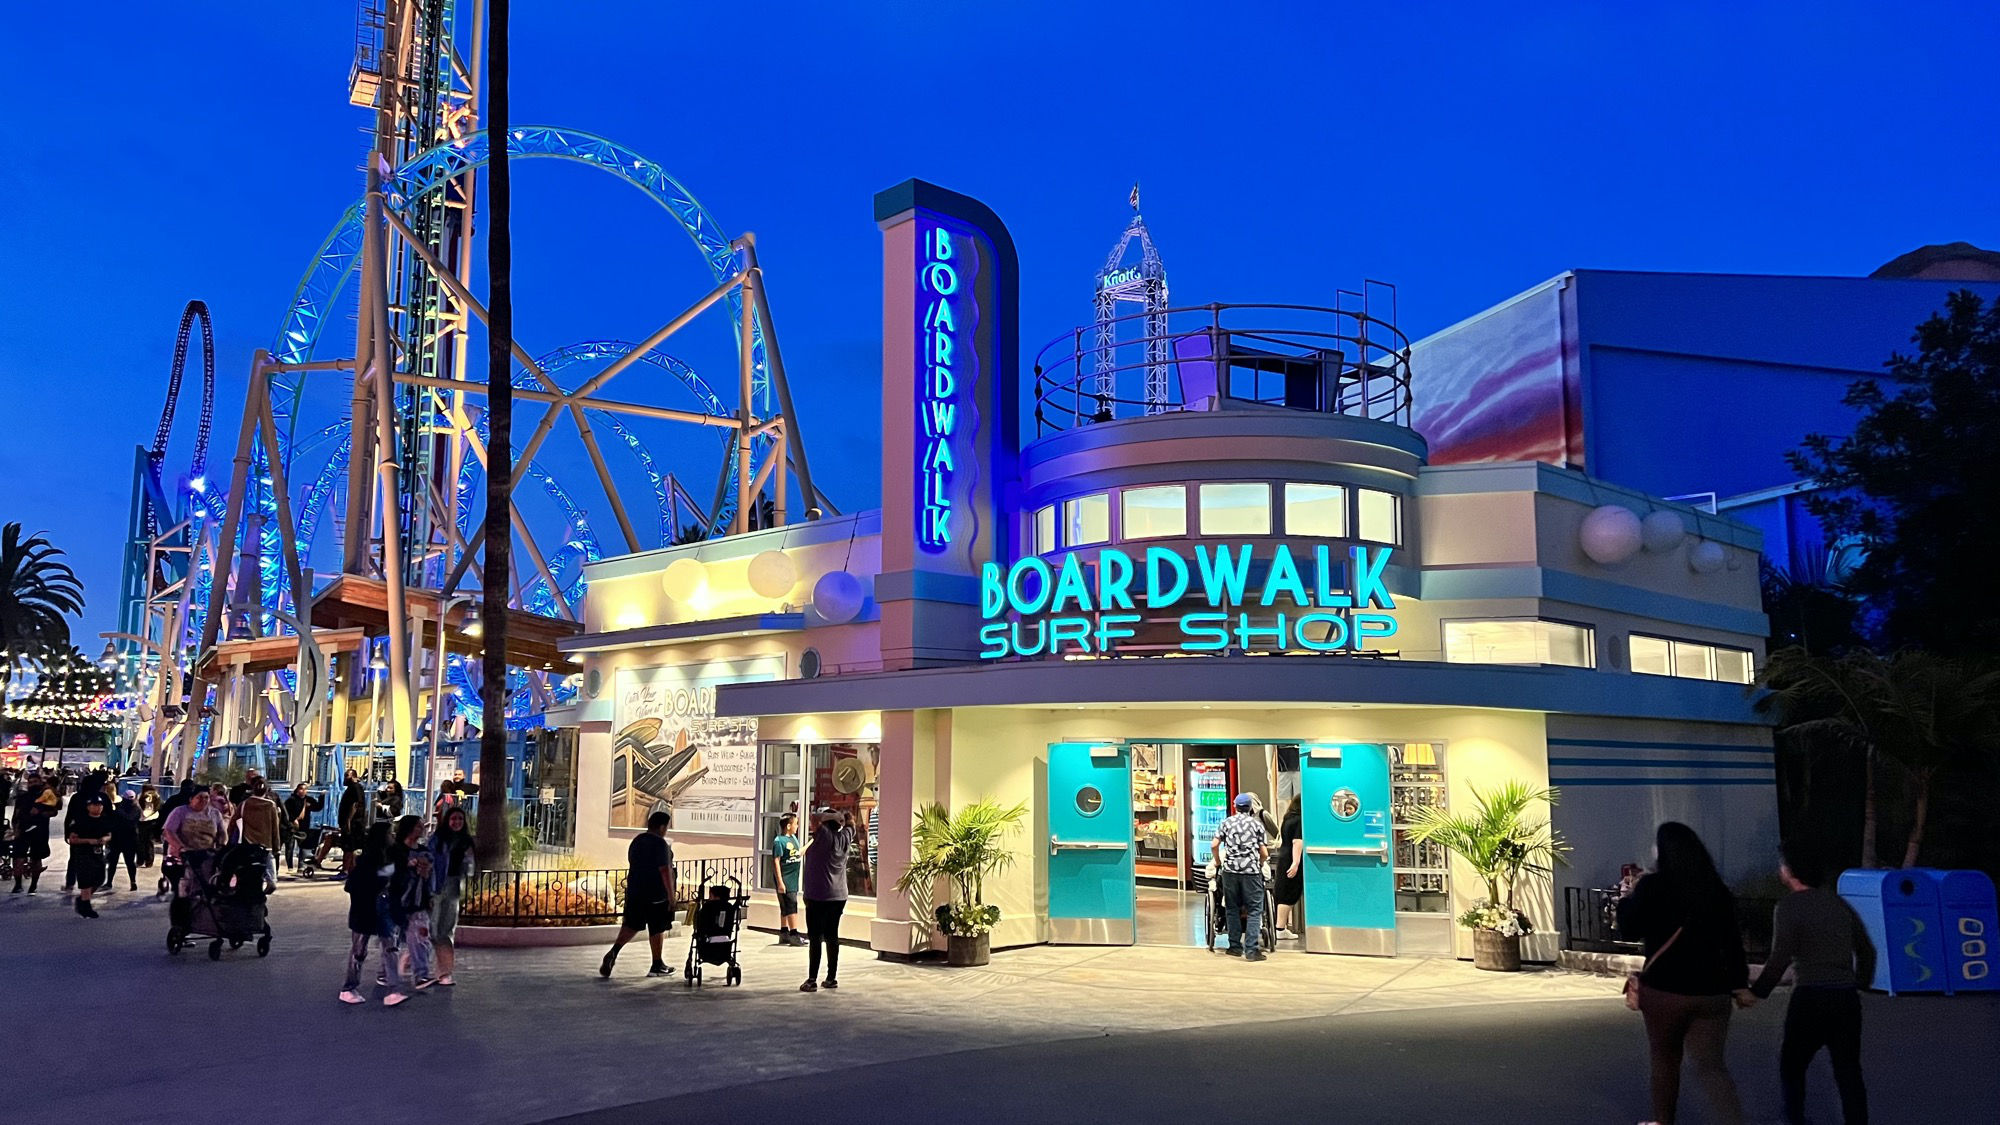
[1685,916]
[451,861]
[1287,870]
[150,818]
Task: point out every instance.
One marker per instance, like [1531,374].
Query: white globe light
[837,597]
[773,574]
[1707,557]
[684,579]
[1610,534]
[1662,531]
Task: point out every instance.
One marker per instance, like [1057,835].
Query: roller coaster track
[156,456]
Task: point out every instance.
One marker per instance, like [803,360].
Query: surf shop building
[1122,580]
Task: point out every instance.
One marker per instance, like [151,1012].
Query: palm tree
[1941,709]
[37,590]
[1825,700]
[1917,709]
[492,825]
[1496,838]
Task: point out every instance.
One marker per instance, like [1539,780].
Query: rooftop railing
[1310,358]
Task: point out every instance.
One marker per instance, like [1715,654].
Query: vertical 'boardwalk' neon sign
[944,288]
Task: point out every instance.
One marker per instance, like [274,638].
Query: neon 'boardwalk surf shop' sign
[1059,611]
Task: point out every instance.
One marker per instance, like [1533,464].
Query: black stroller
[718,923]
[227,903]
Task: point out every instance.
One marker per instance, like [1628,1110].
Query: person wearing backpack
[1695,971]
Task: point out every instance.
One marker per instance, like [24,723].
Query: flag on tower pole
[1135,196]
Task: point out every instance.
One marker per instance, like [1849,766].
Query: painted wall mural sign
[1323,601]
[947,319]
[671,750]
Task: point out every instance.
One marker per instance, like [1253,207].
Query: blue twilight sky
[1463,152]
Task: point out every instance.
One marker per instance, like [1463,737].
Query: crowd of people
[405,875]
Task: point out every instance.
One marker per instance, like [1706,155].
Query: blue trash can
[1900,911]
[1969,922]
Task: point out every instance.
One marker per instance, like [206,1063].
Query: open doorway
[1181,792]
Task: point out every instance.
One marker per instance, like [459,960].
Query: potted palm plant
[961,849]
[1503,843]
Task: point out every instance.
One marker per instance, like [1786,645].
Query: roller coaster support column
[746,368]
[218,585]
[388,495]
[794,441]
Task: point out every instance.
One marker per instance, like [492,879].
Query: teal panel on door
[1091,896]
[1350,884]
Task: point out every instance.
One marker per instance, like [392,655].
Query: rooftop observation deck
[1342,361]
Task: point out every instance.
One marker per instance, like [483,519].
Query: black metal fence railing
[1591,922]
[573,897]
[543,898]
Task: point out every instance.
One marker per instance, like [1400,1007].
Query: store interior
[1181,791]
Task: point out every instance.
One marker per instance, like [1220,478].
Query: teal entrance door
[1350,885]
[1091,895]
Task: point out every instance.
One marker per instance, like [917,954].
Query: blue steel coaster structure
[677,514]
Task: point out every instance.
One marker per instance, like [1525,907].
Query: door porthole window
[1346,804]
[1089,800]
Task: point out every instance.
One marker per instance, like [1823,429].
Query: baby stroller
[718,922]
[1217,920]
[227,903]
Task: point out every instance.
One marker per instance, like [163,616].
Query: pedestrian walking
[367,908]
[649,893]
[33,812]
[825,886]
[299,810]
[150,817]
[350,823]
[261,822]
[1685,917]
[1241,852]
[91,784]
[451,865]
[787,862]
[124,843]
[410,894]
[1820,938]
[88,831]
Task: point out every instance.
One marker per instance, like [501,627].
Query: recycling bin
[1900,911]
[1969,922]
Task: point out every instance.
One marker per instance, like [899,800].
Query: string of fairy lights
[66,688]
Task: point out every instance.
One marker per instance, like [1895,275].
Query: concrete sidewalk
[530,1035]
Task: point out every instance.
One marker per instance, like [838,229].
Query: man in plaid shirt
[1241,849]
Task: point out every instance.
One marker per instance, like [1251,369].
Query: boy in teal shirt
[787,859]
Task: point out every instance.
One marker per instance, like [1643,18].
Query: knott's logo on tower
[1060,611]
[949,316]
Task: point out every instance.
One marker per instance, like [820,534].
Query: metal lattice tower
[407,69]
[1145,285]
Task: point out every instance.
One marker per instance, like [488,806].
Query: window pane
[1153,513]
[1694,662]
[1568,645]
[844,779]
[1490,642]
[1381,516]
[1652,656]
[1086,520]
[1045,529]
[1236,509]
[1316,509]
[1733,665]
